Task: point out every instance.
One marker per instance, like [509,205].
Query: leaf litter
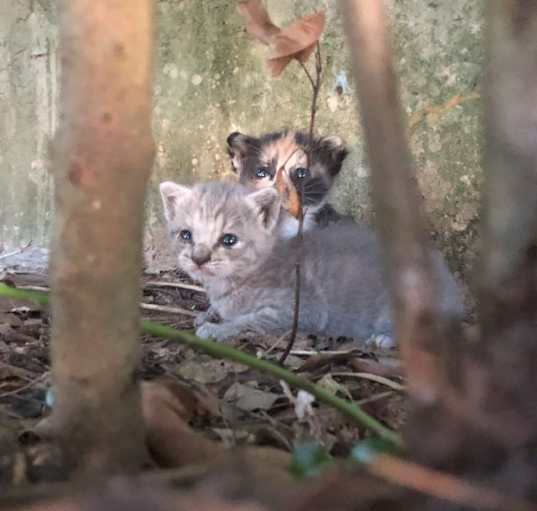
[190,399]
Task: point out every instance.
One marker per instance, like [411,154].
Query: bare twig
[308,74]
[17,251]
[316,87]
[375,397]
[179,285]
[396,199]
[373,377]
[34,288]
[296,311]
[169,310]
[276,344]
[26,386]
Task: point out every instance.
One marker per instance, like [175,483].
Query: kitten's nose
[200,256]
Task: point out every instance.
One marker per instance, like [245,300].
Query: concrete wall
[211,79]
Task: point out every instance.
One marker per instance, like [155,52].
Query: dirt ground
[248,408]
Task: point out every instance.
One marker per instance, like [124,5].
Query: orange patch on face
[285,152]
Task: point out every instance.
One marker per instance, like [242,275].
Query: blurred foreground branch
[396,198]
[102,160]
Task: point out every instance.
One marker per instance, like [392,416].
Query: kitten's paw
[209,315]
[214,331]
[381,341]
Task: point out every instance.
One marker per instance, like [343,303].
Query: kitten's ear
[267,204]
[238,146]
[334,147]
[171,194]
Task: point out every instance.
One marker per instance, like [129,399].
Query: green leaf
[366,451]
[309,459]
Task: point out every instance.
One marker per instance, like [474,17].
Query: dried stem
[316,87]
[395,196]
[296,311]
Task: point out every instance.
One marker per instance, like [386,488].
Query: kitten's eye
[186,235]
[302,173]
[228,240]
[262,173]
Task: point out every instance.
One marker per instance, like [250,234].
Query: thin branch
[34,288]
[316,87]
[17,251]
[373,377]
[407,257]
[296,311]
[170,310]
[26,386]
[223,351]
[179,285]
[308,74]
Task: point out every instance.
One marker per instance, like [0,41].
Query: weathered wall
[28,82]
[211,79]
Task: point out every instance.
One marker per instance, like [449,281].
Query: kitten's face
[257,160]
[220,230]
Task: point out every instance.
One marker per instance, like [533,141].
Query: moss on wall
[211,79]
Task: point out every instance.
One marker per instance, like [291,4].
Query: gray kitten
[225,238]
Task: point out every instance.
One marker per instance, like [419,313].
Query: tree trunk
[102,158]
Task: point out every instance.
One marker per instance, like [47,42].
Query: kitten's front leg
[265,321]
[218,331]
[210,315]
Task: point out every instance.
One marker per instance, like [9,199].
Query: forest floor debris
[247,408]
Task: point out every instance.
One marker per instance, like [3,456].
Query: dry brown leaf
[258,22]
[297,41]
[249,398]
[316,362]
[206,372]
[166,409]
[288,193]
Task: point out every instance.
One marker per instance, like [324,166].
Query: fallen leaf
[208,372]
[249,398]
[317,362]
[258,22]
[170,440]
[297,41]
[289,195]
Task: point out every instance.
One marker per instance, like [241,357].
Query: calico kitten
[224,236]
[256,161]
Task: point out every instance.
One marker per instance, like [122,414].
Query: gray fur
[251,285]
